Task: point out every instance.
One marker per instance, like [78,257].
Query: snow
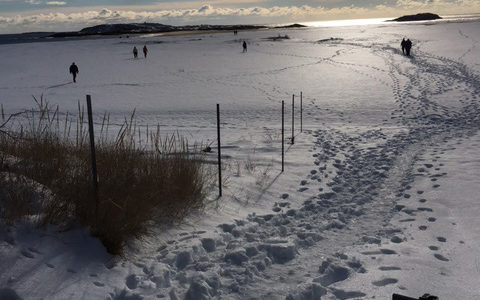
[380,190]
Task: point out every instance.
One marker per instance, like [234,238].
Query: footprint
[440,257]
[433,248]
[284,196]
[302,189]
[422,200]
[422,227]
[441,239]
[385,281]
[387,251]
[333,274]
[396,239]
[389,268]
[99,284]
[27,254]
[432,219]
[341,294]
[132,281]
[31,249]
[425,209]
[436,186]
[419,192]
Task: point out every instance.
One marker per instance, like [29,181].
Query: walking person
[403,45]
[135,52]
[408,46]
[145,51]
[244,46]
[74,71]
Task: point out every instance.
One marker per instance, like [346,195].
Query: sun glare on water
[353,22]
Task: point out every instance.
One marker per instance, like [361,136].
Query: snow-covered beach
[379,194]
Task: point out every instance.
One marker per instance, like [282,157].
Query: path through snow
[369,217]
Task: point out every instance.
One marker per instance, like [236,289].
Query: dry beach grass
[157,183]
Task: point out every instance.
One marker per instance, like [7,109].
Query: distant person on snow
[135,52]
[145,51]
[244,46]
[74,71]
[408,46]
[403,45]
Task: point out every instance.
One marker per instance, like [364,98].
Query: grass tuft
[159,182]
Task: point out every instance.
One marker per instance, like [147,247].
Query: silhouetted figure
[145,51]
[74,71]
[135,52]
[403,45]
[408,46]
[235,32]
[244,46]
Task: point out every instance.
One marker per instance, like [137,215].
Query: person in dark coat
[403,45]
[135,52]
[244,46]
[145,51]
[408,46]
[74,71]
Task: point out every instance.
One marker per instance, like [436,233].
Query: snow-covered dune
[379,195]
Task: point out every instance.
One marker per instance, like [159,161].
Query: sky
[18,16]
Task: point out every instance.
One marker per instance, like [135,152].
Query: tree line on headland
[143,28]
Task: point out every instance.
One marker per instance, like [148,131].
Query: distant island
[145,28]
[417,17]
[296,25]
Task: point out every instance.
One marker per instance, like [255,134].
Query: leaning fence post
[92,152]
[283,134]
[219,153]
[301,112]
[293,119]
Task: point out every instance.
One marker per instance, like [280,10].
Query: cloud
[443,5]
[56,3]
[212,14]
[33,2]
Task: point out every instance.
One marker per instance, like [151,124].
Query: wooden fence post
[219,153]
[283,134]
[92,153]
[301,112]
[293,119]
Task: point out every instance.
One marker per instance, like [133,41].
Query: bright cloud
[226,15]
[56,3]
[33,2]
[440,4]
